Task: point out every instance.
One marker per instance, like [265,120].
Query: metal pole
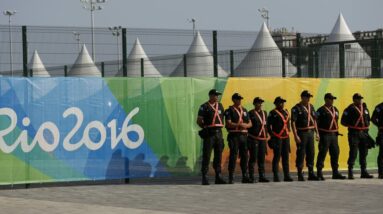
[92,29]
[231,63]
[25,50]
[124,53]
[215,53]
[118,52]
[10,45]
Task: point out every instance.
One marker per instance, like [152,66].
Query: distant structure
[264,58]
[134,63]
[199,61]
[84,65]
[37,67]
[357,61]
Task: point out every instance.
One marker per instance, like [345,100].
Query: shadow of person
[118,167]
[181,168]
[138,168]
[162,168]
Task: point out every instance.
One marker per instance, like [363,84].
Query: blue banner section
[66,129]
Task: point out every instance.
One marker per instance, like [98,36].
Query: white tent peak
[137,51]
[198,45]
[199,60]
[264,39]
[134,62]
[84,65]
[340,31]
[37,66]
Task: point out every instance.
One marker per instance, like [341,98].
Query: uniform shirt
[275,123]
[325,120]
[259,128]
[377,116]
[351,116]
[232,115]
[207,112]
[300,115]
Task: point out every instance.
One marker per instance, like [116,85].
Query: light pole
[193,20]
[9,14]
[116,31]
[77,38]
[265,15]
[92,5]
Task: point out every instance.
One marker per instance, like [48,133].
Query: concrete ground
[330,196]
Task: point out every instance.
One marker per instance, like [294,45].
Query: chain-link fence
[165,52]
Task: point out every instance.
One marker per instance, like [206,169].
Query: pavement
[330,196]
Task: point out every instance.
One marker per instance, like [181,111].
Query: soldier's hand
[317,138]
[297,139]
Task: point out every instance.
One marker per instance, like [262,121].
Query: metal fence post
[25,51]
[215,53]
[142,67]
[311,72]
[102,69]
[185,66]
[298,52]
[342,72]
[231,63]
[65,70]
[375,59]
[283,62]
[124,53]
[316,63]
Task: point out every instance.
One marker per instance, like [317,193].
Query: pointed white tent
[264,58]
[84,65]
[357,61]
[37,66]
[199,61]
[134,63]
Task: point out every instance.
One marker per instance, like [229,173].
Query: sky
[307,16]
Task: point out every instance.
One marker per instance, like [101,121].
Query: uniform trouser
[328,142]
[356,142]
[305,148]
[281,148]
[238,143]
[214,141]
[257,152]
[379,141]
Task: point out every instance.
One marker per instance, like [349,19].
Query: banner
[73,129]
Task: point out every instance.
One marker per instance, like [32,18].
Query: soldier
[327,121]
[257,139]
[210,119]
[357,118]
[278,127]
[377,120]
[237,123]
[303,123]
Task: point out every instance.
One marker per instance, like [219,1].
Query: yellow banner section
[291,88]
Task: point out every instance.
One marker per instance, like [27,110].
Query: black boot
[252,178]
[276,177]
[337,176]
[380,173]
[364,174]
[231,178]
[312,176]
[320,175]
[350,174]
[262,178]
[287,177]
[205,181]
[245,178]
[300,175]
[219,179]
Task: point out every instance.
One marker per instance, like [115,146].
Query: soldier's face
[329,101]
[281,105]
[358,101]
[258,105]
[213,98]
[237,102]
[305,99]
